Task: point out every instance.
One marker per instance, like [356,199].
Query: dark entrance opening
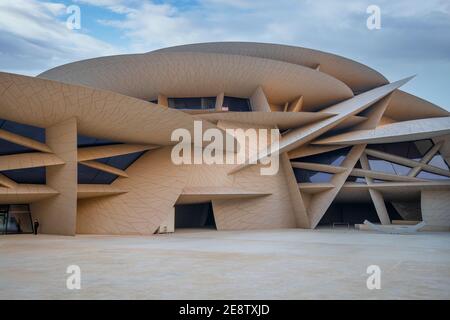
[355,213]
[392,212]
[15,219]
[194,216]
[351,213]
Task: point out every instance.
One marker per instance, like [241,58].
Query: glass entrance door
[3,219]
[15,219]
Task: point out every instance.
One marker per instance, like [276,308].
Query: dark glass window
[29,175]
[198,215]
[3,218]
[351,213]
[85,141]
[87,175]
[236,104]
[122,162]
[7,148]
[31,132]
[400,170]
[388,167]
[305,176]
[431,176]
[334,158]
[28,131]
[423,146]
[356,179]
[192,103]
[411,150]
[439,162]
[15,219]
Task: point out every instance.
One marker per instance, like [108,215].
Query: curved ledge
[357,76]
[99,113]
[187,74]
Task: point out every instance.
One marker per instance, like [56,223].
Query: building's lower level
[87,147]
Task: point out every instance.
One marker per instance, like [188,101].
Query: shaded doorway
[194,216]
[15,219]
[349,213]
[355,213]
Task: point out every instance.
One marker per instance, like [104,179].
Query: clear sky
[414,37]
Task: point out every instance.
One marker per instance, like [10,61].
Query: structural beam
[311,150]
[376,196]
[317,167]
[163,101]
[219,101]
[104,167]
[406,162]
[24,141]
[86,191]
[296,105]
[312,188]
[280,120]
[343,110]
[99,152]
[394,132]
[348,123]
[400,186]
[7,182]
[380,206]
[26,193]
[258,101]
[191,195]
[29,160]
[382,176]
[426,158]
[319,203]
[355,172]
[298,204]
[374,114]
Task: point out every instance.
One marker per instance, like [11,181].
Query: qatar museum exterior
[88,147]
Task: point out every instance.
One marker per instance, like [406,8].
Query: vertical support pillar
[162,100]
[434,205]
[259,102]
[380,206]
[298,205]
[377,197]
[219,101]
[57,215]
[320,202]
[168,225]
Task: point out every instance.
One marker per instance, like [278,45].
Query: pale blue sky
[414,37]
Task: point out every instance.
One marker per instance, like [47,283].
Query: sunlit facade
[85,148]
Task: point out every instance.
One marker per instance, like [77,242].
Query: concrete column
[57,215]
[259,101]
[435,213]
[219,101]
[162,100]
